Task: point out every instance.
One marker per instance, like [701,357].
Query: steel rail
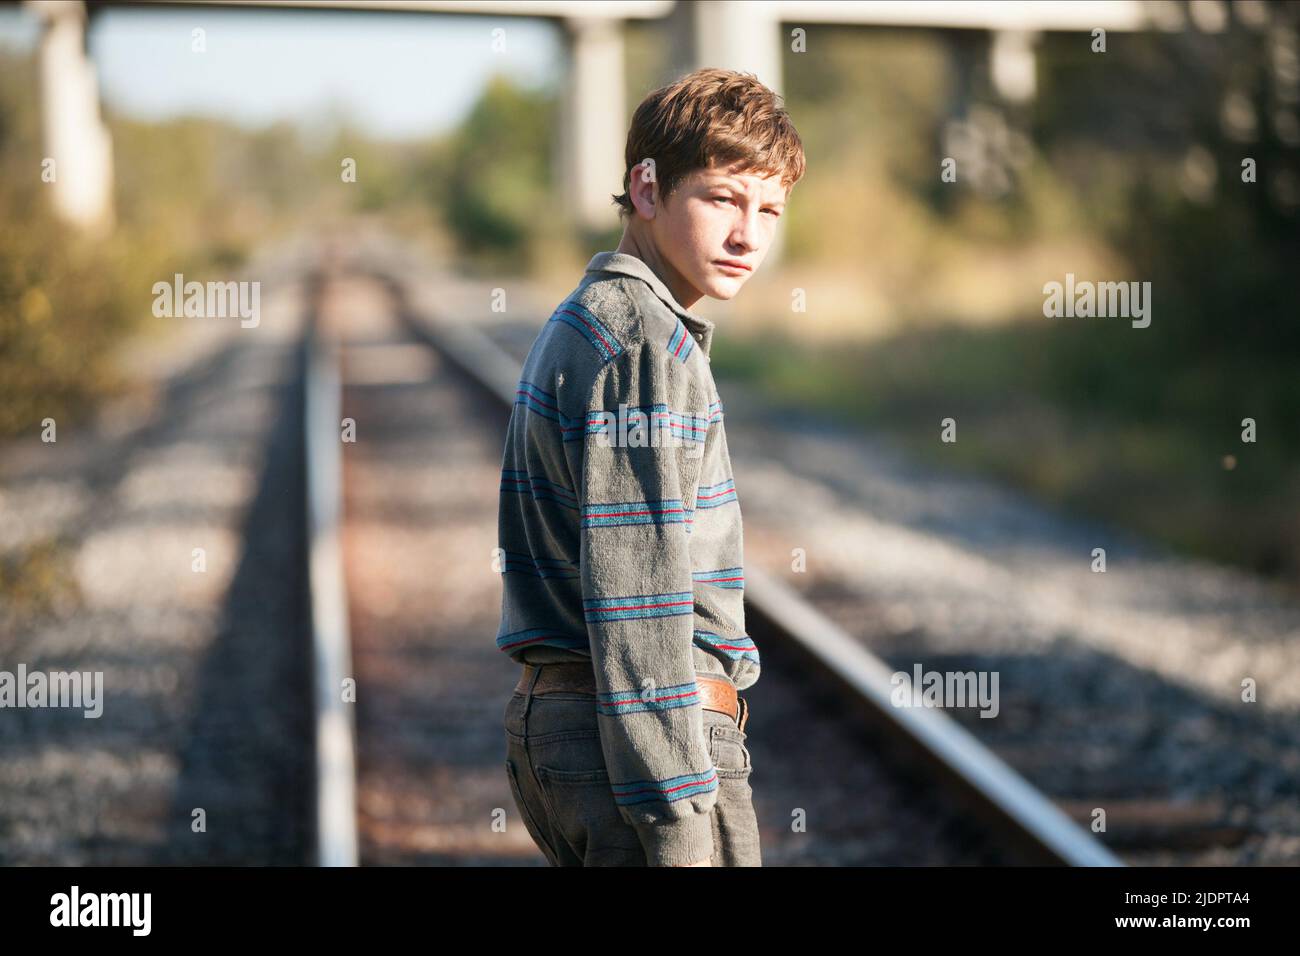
[993,790]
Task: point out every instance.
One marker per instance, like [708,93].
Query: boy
[619,525]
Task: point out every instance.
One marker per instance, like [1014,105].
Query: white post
[593,122]
[739,35]
[1013,64]
[75,135]
[743,35]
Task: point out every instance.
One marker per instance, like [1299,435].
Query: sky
[396,75]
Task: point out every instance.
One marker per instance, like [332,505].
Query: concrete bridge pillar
[75,136]
[593,121]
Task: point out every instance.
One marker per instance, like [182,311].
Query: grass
[1100,420]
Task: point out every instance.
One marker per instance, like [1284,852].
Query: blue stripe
[737,647]
[660,511]
[618,703]
[596,332]
[541,567]
[719,577]
[680,338]
[537,400]
[543,403]
[659,415]
[669,790]
[639,606]
[541,489]
[714,496]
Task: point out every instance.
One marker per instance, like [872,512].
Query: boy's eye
[769,209]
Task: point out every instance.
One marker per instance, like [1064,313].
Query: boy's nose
[748,232]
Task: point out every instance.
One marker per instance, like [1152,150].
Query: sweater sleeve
[641,466]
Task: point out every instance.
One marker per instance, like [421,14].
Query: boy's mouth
[733,265]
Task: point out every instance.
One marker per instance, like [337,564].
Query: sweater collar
[629,265]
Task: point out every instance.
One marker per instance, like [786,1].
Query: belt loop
[528,698]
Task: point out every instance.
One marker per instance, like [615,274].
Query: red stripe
[720,493]
[529,640]
[637,700]
[589,325]
[624,514]
[638,607]
[520,391]
[681,343]
[711,777]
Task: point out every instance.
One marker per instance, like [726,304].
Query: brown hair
[706,117]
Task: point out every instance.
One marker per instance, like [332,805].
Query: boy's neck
[636,243]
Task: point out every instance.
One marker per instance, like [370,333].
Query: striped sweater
[621,542]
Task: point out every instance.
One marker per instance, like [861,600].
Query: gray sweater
[620,538]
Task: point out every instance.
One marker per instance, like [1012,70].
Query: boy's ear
[643,188]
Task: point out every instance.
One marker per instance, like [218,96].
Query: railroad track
[933,793]
[160,542]
[404,518]
[1118,694]
[334,730]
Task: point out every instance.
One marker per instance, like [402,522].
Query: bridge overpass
[735,34]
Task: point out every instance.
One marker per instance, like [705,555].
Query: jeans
[558,778]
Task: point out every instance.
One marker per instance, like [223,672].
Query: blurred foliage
[193,194]
[65,300]
[1135,152]
[1128,169]
[64,303]
[496,185]
[1158,168]
[1161,475]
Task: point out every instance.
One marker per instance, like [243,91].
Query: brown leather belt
[716,693]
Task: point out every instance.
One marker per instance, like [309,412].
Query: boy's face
[715,230]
